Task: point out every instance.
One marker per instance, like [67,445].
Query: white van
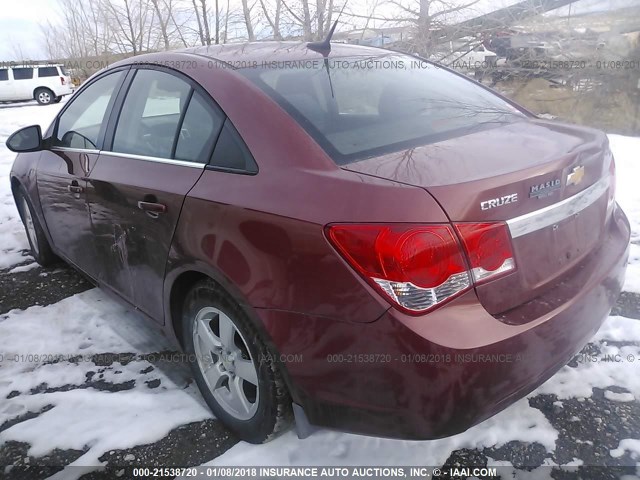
[45,83]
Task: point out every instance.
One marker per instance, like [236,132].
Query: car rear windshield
[362,107]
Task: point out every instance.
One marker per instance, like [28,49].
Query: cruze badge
[576,175]
[545,189]
[498,202]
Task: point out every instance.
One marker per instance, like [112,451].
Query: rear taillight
[62,81]
[420,267]
[488,247]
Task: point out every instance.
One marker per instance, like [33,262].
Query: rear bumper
[63,90]
[440,374]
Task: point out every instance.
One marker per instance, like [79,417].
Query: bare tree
[313,19]
[180,29]
[83,32]
[163,21]
[130,19]
[425,18]
[202,16]
[226,22]
[273,18]
[17,52]
[246,11]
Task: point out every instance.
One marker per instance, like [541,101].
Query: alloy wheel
[223,356]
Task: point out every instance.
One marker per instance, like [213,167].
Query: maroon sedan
[360,238]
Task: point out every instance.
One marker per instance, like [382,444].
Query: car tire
[57,99]
[40,248]
[221,342]
[44,96]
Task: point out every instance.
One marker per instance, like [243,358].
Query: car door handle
[152,207]
[75,189]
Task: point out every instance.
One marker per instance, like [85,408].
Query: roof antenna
[324,46]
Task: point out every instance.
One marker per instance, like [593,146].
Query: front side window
[22,73]
[360,107]
[151,113]
[80,124]
[4,75]
[47,72]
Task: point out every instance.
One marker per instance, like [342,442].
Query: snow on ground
[98,406]
[519,422]
[24,268]
[58,360]
[628,444]
[626,151]
[12,117]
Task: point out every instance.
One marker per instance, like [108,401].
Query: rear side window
[361,107]
[199,130]
[47,72]
[231,153]
[150,115]
[80,124]
[4,75]
[22,73]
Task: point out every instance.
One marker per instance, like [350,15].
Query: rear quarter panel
[263,234]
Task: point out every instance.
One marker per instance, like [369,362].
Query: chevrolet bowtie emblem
[576,175]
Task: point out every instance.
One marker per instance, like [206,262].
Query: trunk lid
[547,180]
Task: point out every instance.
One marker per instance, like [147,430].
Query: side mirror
[27,139]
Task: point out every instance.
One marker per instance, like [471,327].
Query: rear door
[51,78]
[63,170]
[23,83]
[158,146]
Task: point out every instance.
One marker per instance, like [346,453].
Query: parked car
[377,41]
[374,245]
[44,83]
[478,58]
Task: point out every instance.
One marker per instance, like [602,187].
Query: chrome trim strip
[181,163]
[530,222]
[69,149]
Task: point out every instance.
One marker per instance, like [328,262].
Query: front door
[7,90]
[64,170]
[62,188]
[161,143]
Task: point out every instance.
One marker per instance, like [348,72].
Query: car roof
[241,55]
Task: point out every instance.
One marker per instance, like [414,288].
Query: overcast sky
[20,27]
[21,20]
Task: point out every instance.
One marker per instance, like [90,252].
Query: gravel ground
[589,428]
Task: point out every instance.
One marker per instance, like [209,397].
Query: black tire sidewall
[262,424]
[45,255]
